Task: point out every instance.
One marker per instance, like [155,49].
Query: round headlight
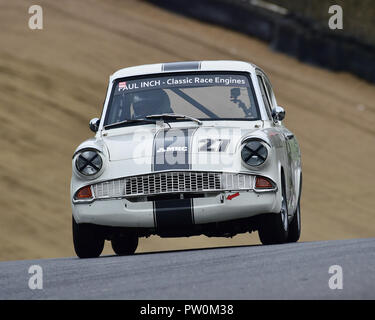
[254,153]
[89,162]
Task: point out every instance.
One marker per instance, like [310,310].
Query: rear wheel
[124,245]
[274,227]
[87,239]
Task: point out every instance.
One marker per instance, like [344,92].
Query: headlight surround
[254,153]
[89,162]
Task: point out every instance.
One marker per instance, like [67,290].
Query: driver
[149,102]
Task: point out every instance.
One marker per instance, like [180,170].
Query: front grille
[172,182]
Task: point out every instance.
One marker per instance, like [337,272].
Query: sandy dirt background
[53,81]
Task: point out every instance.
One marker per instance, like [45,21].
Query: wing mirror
[278,114]
[94,124]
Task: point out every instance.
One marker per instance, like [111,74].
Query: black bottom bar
[173,213]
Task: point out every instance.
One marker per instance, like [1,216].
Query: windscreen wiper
[126,122]
[166,116]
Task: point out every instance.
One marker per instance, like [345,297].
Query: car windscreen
[213,96]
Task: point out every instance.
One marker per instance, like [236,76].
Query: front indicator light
[263,183]
[84,193]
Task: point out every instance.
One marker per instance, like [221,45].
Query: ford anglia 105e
[184,149]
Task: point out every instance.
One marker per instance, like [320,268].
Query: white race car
[184,149]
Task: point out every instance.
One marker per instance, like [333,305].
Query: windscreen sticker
[189,81]
[122,85]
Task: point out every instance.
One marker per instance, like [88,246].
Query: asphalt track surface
[289,271]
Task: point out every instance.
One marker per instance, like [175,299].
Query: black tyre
[87,239]
[274,227]
[295,225]
[124,245]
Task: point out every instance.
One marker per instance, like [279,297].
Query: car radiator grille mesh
[172,182]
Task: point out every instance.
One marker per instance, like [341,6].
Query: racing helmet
[149,102]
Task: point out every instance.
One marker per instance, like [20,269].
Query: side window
[270,92]
[264,96]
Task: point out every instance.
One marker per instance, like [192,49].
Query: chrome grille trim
[172,182]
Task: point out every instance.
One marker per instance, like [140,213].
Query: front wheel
[274,228]
[295,224]
[87,240]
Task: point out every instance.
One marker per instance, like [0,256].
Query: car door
[286,137]
[293,153]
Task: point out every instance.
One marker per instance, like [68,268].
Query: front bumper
[217,208]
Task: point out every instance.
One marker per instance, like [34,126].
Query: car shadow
[183,250]
[189,250]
